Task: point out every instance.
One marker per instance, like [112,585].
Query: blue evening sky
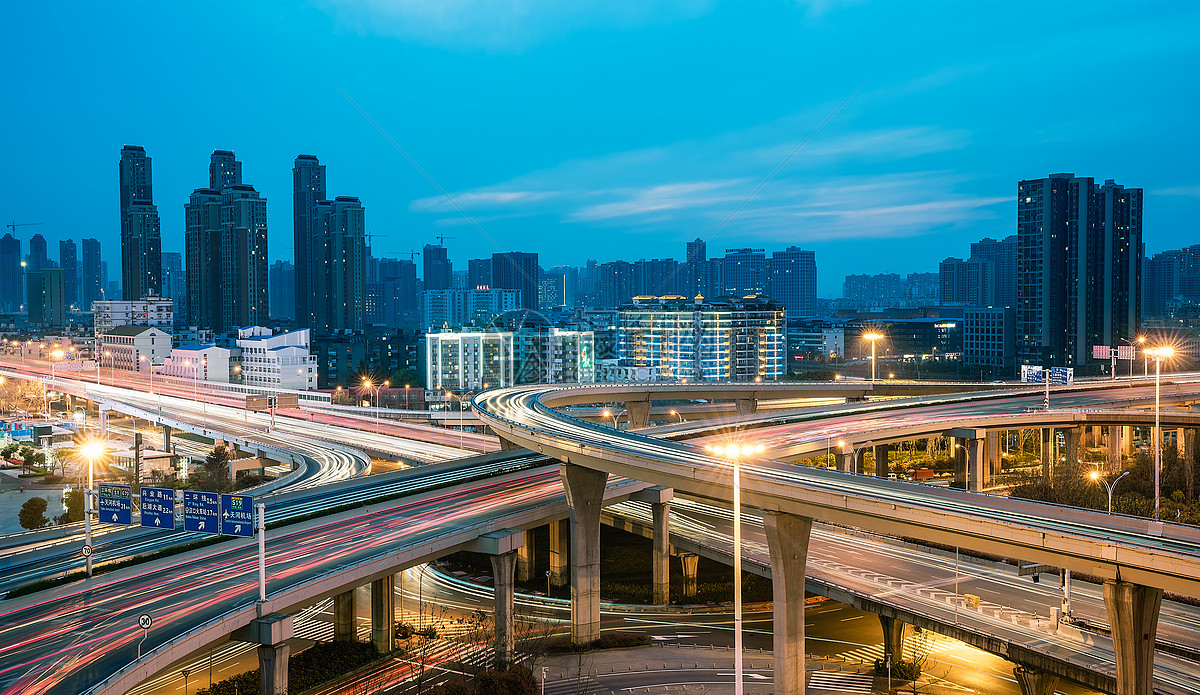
[609,129]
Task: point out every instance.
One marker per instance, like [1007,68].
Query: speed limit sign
[87,550]
[144,621]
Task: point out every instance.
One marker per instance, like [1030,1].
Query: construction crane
[13,225]
[442,239]
[411,254]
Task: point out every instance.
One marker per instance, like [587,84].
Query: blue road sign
[237,515]
[116,504]
[201,511]
[158,507]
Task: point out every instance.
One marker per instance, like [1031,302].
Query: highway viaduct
[1136,566]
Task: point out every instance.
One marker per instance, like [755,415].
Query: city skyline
[920,162]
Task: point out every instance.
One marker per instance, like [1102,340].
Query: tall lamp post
[733,452]
[1108,487]
[608,413]
[872,336]
[142,358]
[1159,354]
[92,450]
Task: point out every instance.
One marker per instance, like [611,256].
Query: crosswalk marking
[858,684]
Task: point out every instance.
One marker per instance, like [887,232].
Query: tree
[408,376]
[73,500]
[216,468]
[33,513]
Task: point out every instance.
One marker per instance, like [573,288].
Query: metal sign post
[87,530]
[144,622]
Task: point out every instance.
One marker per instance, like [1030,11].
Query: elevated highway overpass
[1137,567]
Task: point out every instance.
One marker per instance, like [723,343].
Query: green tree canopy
[33,513]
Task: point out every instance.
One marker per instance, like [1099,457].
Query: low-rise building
[123,347]
[276,361]
[203,362]
[990,339]
[151,311]
[468,361]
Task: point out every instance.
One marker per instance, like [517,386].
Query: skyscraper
[745,272]
[479,273]
[517,270]
[282,278]
[68,261]
[46,305]
[696,280]
[437,268]
[90,287]
[224,170]
[1171,278]
[339,256]
[225,236]
[968,283]
[38,257]
[141,245]
[175,285]
[792,281]
[308,188]
[1003,257]
[10,273]
[1079,267]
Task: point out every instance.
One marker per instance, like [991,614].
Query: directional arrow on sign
[157,521]
[201,525]
[114,518]
[237,529]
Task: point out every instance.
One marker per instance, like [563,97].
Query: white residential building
[277,361]
[124,347]
[151,311]
[203,362]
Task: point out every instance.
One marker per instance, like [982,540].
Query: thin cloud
[1189,191]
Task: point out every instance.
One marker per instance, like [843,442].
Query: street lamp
[733,452]
[1159,354]
[872,336]
[608,413]
[676,414]
[842,445]
[91,451]
[112,368]
[1095,476]
[142,358]
[1145,362]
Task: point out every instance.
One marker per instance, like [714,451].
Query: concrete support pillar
[1073,446]
[787,539]
[845,461]
[103,423]
[960,462]
[166,437]
[525,558]
[273,668]
[1114,448]
[343,617]
[1127,445]
[881,460]
[976,468]
[746,406]
[639,414]
[1188,457]
[1047,451]
[1034,682]
[1133,615]
[585,492]
[690,563]
[503,566]
[560,544]
[662,553]
[893,638]
[383,613]
[994,453]
[506,445]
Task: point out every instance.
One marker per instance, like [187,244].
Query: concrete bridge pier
[585,491]
[881,460]
[506,445]
[166,437]
[271,633]
[660,507]
[1114,448]
[560,544]
[343,617]
[639,414]
[893,638]
[691,564]
[1073,446]
[525,558]
[994,453]
[1047,451]
[1133,614]
[787,540]
[502,578]
[1127,444]
[383,613]
[746,406]
[845,461]
[1034,682]
[103,423]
